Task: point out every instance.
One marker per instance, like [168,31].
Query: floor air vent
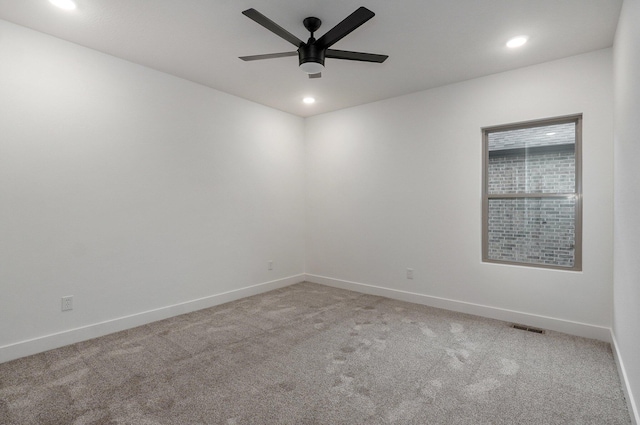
[527,328]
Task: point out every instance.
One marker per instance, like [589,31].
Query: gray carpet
[310,354]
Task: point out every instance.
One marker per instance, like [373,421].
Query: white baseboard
[71,336]
[574,328]
[626,388]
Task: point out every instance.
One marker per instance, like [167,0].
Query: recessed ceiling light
[64,4]
[517,41]
[309,100]
[550,134]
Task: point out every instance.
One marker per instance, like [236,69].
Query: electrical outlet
[409,273]
[270,264]
[67,303]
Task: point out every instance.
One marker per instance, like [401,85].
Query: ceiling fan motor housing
[311,53]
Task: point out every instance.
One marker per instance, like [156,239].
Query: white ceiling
[430,43]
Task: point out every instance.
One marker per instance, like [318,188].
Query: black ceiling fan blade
[317,75]
[355,56]
[272,26]
[350,23]
[268,56]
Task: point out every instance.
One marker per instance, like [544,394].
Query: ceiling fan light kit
[312,66]
[312,54]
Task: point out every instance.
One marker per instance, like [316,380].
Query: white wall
[133,191]
[627,197]
[397,184]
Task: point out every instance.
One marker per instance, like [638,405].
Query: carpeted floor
[310,354]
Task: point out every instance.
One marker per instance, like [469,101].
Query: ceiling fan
[311,55]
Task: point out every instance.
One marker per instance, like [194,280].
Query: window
[532,200]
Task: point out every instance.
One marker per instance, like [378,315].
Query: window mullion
[530,195]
